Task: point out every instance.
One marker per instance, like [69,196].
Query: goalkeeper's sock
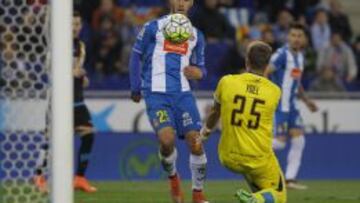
[294,157]
[169,163]
[41,162]
[198,171]
[84,153]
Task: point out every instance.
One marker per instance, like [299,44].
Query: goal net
[24,96]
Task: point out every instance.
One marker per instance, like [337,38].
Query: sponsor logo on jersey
[187,120]
[296,73]
[181,49]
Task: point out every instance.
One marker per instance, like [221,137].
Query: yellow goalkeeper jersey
[248,104]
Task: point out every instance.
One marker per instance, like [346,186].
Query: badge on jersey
[187,120]
[180,49]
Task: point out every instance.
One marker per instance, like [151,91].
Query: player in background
[246,104]
[286,68]
[82,120]
[160,72]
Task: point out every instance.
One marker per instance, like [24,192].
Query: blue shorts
[178,111]
[284,121]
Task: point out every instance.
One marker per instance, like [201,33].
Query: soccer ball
[178,29]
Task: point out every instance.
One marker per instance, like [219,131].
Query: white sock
[278,145]
[198,171]
[294,157]
[41,161]
[169,163]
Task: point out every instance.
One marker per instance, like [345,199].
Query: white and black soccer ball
[178,29]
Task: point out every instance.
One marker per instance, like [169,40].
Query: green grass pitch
[217,192]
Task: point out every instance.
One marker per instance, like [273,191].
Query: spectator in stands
[310,61]
[107,9]
[132,24]
[320,30]
[300,7]
[272,8]
[259,24]
[357,54]
[236,16]
[108,47]
[340,57]
[268,36]
[86,8]
[145,3]
[339,21]
[234,60]
[282,25]
[214,24]
[327,82]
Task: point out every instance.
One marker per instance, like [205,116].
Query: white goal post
[36,100]
[62,102]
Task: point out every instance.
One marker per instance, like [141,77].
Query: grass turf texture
[217,192]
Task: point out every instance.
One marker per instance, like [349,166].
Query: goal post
[62,102]
[36,100]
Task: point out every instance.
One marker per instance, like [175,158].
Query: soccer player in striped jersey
[160,72]
[286,68]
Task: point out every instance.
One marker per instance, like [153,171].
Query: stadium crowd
[332,50]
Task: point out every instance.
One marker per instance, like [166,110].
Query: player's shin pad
[294,157]
[169,163]
[198,171]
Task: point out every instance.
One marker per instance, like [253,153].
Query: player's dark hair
[258,56]
[297,26]
[76,14]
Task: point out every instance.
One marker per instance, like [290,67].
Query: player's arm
[211,121]
[78,69]
[309,102]
[269,70]
[135,63]
[215,113]
[196,70]
[277,61]
[86,82]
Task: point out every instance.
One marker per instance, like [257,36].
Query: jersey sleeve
[218,91]
[144,37]
[278,60]
[198,54]
[277,95]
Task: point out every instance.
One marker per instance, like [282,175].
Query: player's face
[181,6]
[77,25]
[296,39]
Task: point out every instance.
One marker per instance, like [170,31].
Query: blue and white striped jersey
[288,68]
[163,62]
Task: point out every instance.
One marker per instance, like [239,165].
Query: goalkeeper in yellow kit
[246,104]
